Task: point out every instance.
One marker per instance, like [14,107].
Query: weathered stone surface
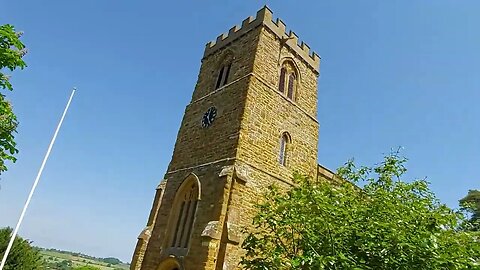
[234,233]
[211,230]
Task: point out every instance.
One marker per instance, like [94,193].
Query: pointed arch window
[222,78]
[185,207]
[288,80]
[284,142]
[224,68]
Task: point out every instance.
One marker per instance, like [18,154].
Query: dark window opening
[282,159]
[227,72]
[219,79]
[291,82]
[223,76]
[281,85]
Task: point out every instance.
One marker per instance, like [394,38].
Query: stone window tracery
[288,79]
[224,70]
[185,207]
[222,78]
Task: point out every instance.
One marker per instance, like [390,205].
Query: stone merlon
[265,17]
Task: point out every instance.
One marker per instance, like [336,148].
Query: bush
[388,224]
[22,255]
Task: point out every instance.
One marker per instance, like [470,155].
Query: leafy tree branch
[388,224]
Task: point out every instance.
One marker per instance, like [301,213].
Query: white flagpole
[14,234]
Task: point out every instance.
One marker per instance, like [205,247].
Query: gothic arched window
[222,78]
[224,69]
[284,141]
[185,206]
[288,79]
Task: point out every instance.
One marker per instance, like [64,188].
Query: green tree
[111,260]
[64,265]
[471,204]
[388,224]
[12,51]
[22,255]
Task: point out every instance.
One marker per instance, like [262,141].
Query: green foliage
[62,265]
[389,224]
[68,260]
[22,255]
[111,260]
[86,267]
[471,204]
[12,51]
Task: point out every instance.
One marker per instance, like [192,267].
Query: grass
[52,257]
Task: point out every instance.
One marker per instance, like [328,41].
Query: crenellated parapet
[265,17]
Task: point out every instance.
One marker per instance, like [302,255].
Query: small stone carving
[211,230]
[226,170]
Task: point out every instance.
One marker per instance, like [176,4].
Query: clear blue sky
[393,73]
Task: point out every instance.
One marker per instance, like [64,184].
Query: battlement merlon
[265,17]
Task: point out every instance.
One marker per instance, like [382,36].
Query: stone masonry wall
[196,145]
[202,250]
[268,113]
[236,158]
[205,152]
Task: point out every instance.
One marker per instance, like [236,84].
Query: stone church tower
[251,122]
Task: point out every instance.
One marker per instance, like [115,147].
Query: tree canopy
[12,51]
[471,204]
[22,255]
[387,224]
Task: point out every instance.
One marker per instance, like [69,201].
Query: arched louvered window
[222,78]
[288,80]
[281,84]
[284,141]
[186,201]
[224,68]
[291,86]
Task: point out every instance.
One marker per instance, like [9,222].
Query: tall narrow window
[291,85]
[281,83]
[223,76]
[185,208]
[227,72]
[288,79]
[219,79]
[284,141]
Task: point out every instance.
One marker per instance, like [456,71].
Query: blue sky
[393,73]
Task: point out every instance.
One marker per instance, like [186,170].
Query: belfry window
[281,85]
[291,85]
[288,79]
[284,142]
[222,78]
[185,207]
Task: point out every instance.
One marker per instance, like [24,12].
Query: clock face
[209,117]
